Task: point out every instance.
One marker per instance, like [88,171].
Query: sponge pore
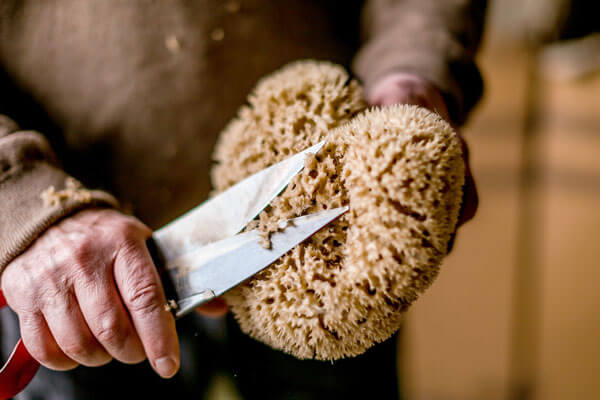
[401,172]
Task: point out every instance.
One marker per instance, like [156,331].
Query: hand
[404,88]
[214,308]
[87,291]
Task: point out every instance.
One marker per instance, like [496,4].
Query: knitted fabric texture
[399,169]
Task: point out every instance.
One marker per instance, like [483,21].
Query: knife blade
[229,212]
[213,269]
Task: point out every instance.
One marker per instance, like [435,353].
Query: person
[130,97]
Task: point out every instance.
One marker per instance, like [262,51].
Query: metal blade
[211,270]
[229,212]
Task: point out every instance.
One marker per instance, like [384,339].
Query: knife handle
[18,370]
[165,278]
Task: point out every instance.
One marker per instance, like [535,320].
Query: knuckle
[83,250]
[54,294]
[110,332]
[47,275]
[128,227]
[90,275]
[77,348]
[131,228]
[129,251]
[12,284]
[144,297]
[87,262]
[21,287]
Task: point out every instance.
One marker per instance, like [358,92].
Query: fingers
[70,331]
[470,196]
[214,308]
[470,201]
[70,310]
[41,344]
[107,319]
[52,326]
[142,294]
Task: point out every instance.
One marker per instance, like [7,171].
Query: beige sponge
[399,169]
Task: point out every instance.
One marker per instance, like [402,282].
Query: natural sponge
[399,169]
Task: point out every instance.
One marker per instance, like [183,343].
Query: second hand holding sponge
[399,169]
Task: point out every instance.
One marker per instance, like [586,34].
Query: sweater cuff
[434,56]
[34,194]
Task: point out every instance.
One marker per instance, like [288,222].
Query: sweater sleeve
[434,39]
[34,191]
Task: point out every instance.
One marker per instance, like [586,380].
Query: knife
[205,252]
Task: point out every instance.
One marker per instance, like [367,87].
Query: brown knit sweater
[130,95]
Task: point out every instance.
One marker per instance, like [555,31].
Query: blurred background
[515,312]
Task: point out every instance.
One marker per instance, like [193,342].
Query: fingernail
[165,366]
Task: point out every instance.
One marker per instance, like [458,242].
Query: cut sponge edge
[401,172]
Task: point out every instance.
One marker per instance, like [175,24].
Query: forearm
[433,39]
[34,191]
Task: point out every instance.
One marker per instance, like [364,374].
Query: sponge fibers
[400,171]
